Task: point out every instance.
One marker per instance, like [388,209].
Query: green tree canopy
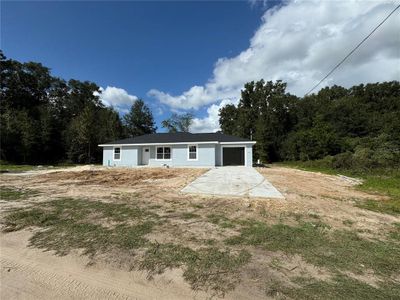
[139,120]
[44,119]
[355,127]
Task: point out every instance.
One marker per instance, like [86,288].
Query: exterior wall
[249,155]
[179,156]
[218,155]
[208,155]
[129,157]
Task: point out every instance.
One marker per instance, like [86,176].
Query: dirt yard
[95,233]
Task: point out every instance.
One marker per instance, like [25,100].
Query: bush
[343,161]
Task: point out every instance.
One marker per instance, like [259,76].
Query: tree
[266,113]
[139,120]
[228,119]
[178,123]
[44,119]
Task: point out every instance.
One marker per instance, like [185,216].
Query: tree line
[354,128]
[45,119]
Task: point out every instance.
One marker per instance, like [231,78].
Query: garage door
[233,156]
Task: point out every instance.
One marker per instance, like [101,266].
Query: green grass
[77,224]
[13,194]
[207,269]
[385,182]
[390,206]
[121,228]
[395,232]
[333,249]
[220,220]
[9,167]
[340,287]
[189,215]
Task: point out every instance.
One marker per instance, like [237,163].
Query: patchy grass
[13,194]
[189,215]
[220,220]
[385,182]
[9,167]
[121,228]
[207,269]
[348,222]
[78,224]
[336,250]
[340,287]
[4,167]
[395,232]
[197,205]
[391,206]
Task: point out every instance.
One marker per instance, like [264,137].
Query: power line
[352,51]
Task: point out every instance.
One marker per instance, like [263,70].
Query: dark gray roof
[179,137]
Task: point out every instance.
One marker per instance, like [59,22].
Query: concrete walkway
[233,181]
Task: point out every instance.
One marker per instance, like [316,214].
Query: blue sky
[195,56]
[135,46]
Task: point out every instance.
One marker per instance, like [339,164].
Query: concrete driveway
[233,181]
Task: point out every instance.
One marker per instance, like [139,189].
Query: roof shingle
[179,137]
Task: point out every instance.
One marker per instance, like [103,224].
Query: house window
[163,152]
[192,152]
[117,153]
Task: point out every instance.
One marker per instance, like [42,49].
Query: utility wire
[352,51]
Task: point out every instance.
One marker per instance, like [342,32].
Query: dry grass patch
[124,177]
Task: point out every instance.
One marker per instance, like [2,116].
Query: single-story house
[181,149]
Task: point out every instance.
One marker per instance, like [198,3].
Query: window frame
[163,153]
[120,153]
[188,152]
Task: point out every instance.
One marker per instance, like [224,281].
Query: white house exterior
[179,150]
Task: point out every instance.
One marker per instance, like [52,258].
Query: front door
[145,156]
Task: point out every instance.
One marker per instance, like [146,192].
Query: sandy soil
[29,273]
[330,197]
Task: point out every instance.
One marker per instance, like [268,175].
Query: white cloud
[116,97]
[299,43]
[211,122]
